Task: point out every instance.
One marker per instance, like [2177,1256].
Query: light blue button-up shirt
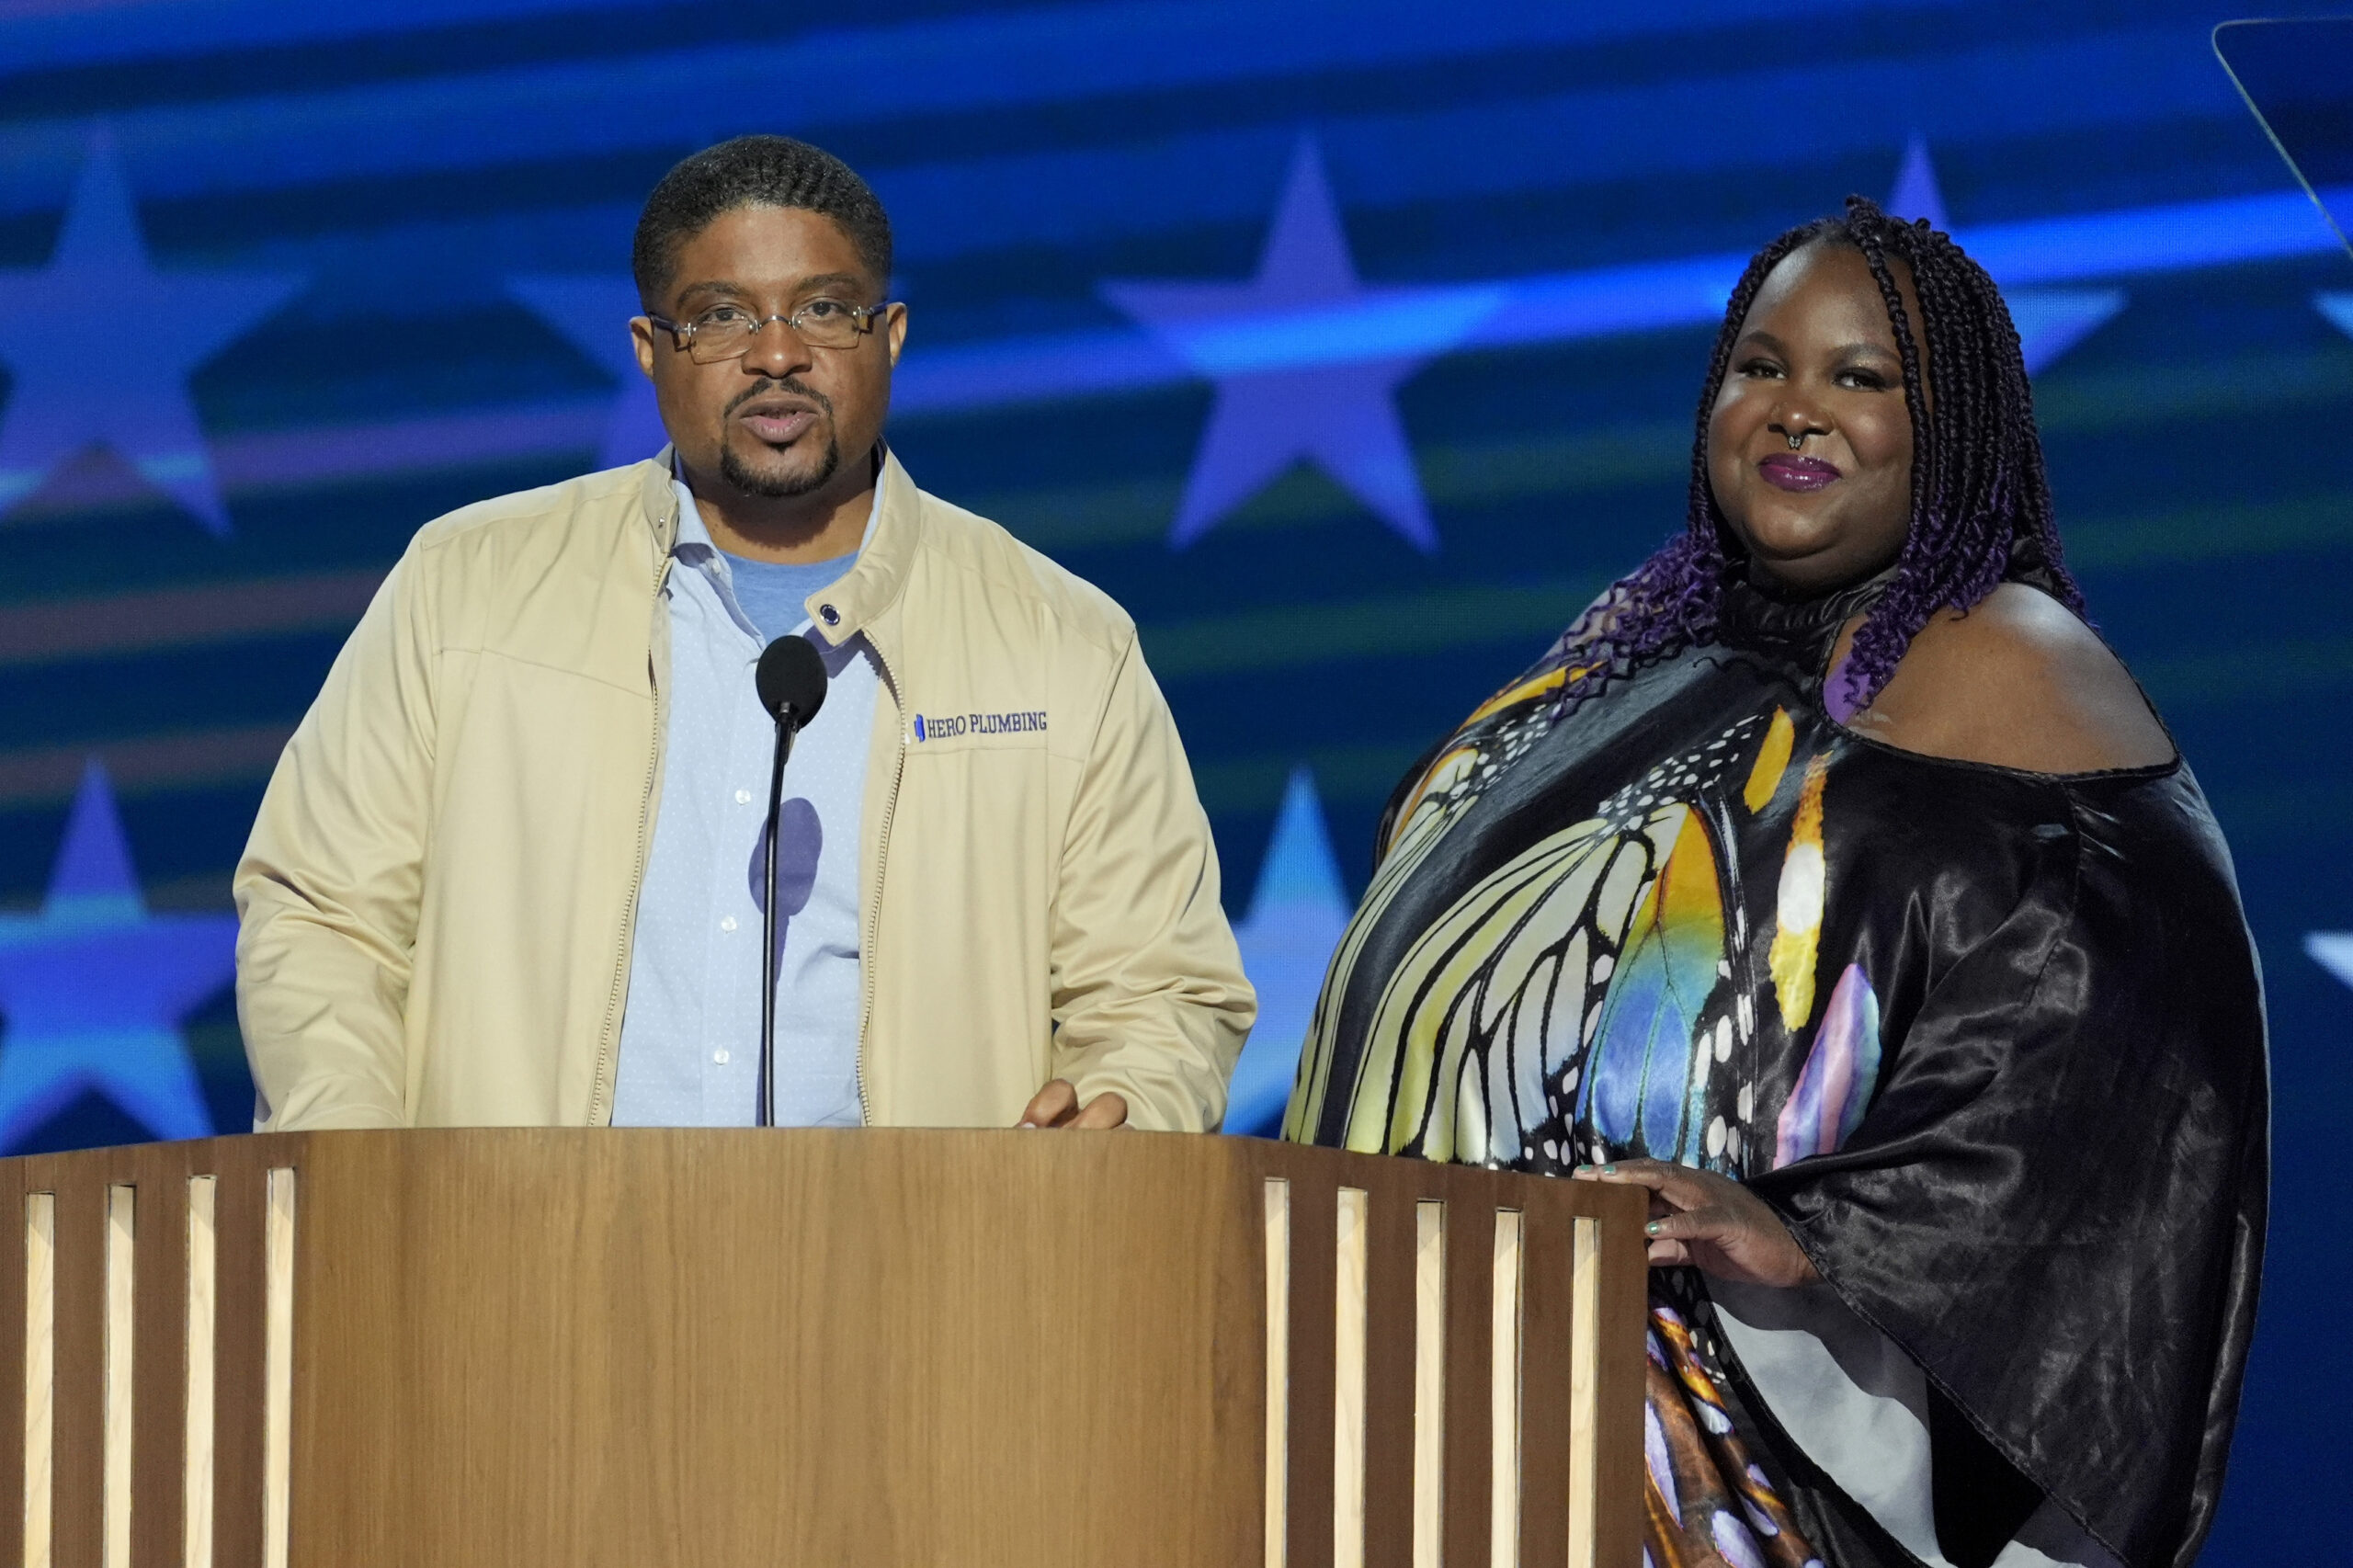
[691,1034]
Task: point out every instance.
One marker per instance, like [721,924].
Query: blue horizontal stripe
[1036,369]
[1563,143]
[1563,307]
[677,100]
[1569,305]
[2155,239]
[39,37]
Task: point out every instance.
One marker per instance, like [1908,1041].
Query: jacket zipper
[874,902]
[596,1109]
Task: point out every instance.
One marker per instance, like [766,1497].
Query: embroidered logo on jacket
[948,726]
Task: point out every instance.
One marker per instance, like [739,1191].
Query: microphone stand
[788,724]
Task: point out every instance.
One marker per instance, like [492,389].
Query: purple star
[592,313]
[1298,911]
[2050,321]
[1305,359]
[94,987]
[101,346]
[1916,194]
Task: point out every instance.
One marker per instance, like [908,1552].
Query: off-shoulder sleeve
[2055,1202]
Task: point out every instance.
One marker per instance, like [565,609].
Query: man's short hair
[753,171]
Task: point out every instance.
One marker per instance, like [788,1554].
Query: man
[508,868]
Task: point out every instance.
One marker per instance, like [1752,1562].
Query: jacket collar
[659,502]
[872,587]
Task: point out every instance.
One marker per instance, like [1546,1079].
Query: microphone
[791,680]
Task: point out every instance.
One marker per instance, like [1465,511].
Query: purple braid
[1981,497]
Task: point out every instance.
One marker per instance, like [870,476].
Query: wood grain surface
[526,1347]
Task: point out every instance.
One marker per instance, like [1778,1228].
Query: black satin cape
[2051,1191]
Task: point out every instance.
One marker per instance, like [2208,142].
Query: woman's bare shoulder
[2019,681]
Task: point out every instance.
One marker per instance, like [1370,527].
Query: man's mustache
[790,384]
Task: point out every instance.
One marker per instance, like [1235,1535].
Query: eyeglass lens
[729,334]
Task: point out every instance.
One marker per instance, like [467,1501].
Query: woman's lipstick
[1784,472]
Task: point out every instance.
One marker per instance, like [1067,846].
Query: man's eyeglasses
[726,331]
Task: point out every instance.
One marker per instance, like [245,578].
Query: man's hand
[1057,1105]
[1710,1222]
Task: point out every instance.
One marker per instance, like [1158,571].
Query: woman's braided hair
[1980,501]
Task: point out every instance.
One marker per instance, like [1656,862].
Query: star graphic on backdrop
[2050,321]
[592,312]
[94,987]
[100,346]
[1297,912]
[2333,950]
[1336,410]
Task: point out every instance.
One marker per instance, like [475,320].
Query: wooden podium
[522,1347]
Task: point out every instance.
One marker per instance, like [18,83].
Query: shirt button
[720,1057]
[743,797]
[831,616]
[727,922]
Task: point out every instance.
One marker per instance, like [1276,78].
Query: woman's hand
[1710,1222]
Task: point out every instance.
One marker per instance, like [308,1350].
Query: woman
[1833,881]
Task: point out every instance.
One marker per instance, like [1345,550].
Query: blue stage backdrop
[1350,345]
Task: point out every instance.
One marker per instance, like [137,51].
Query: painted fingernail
[1651,1229]
[1610,1170]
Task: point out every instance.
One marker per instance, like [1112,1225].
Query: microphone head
[791,680]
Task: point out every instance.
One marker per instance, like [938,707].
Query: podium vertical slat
[200,1266]
[1351,1293]
[1315,1241]
[281,1195]
[1585,1390]
[1506,1343]
[1622,1288]
[1430,1329]
[1389,1381]
[237,1342]
[1469,1267]
[1277,1194]
[79,1400]
[158,1423]
[1547,1371]
[117,1429]
[12,1363]
[40,1376]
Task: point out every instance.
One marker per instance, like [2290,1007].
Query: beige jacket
[437,899]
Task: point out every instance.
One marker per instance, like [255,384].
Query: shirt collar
[693,533]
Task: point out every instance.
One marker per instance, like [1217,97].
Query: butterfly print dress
[1990,1042]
